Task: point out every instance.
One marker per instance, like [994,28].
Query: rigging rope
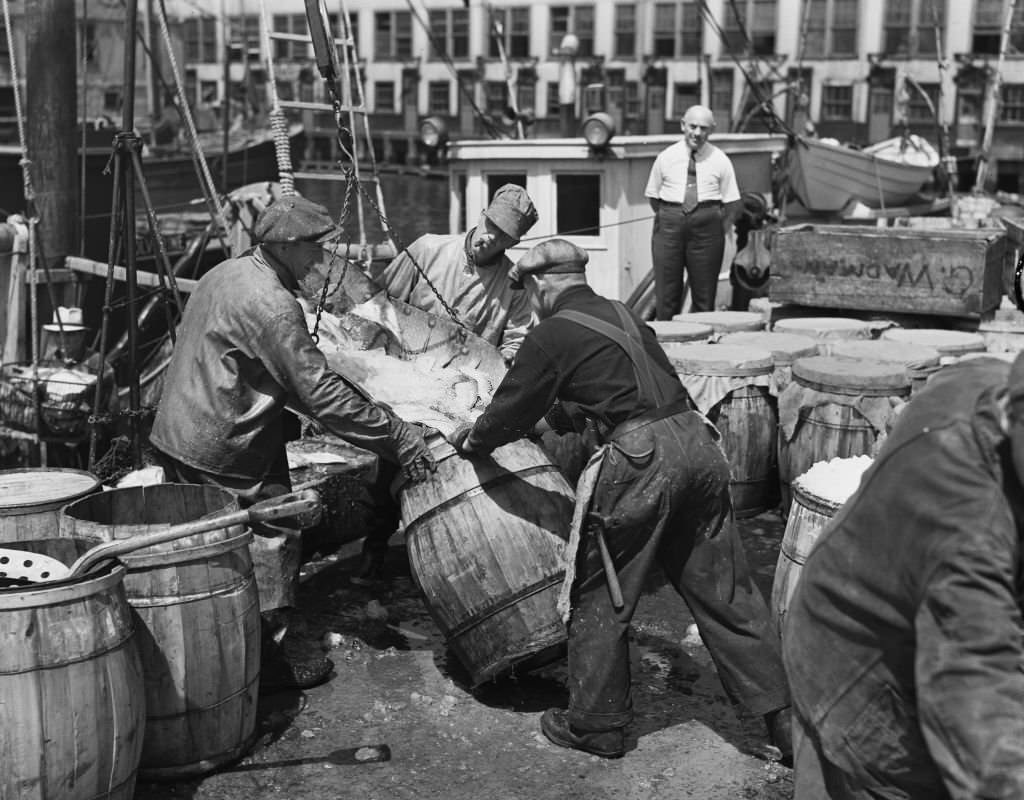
[278,121]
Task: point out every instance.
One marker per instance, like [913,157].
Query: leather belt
[701,204]
[664,412]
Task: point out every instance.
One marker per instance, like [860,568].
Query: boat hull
[827,177]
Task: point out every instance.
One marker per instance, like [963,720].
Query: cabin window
[831,27]
[384,96]
[511,28]
[837,103]
[912,34]
[439,97]
[1011,107]
[577,20]
[496,180]
[392,35]
[677,30]
[625,31]
[449,34]
[988,26]
[721,98]
[577,204]
[749,27]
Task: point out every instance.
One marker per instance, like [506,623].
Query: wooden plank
[143,278]
[946,272]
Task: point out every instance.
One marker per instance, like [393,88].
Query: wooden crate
[916,271]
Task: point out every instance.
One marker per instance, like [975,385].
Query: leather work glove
[414,456]
[459,439]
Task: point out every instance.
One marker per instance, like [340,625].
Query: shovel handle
[305,502]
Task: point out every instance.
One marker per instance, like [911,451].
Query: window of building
[625,31]
[526,97]
[836,103]
[677,29]
[831,28]
[246,30]
[291,51]
[631,94]
[495,96]
[684,95]
[918,109]
[199,35]
[1011,107]
[439,97]
[112,100]
[392,34]
[449,33]
[86,42]
[756,19]
[988,26]
[721,98]
[4,50]
[384,96]
[910,27]
[552,108]
[577,204]
[577,20]
[510,27]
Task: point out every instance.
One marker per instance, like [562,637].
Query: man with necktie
[693,192]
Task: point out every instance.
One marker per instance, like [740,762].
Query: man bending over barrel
[242,354]
[655,492]
[904,639]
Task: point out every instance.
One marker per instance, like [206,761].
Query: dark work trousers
[385,512]
[694,242]
[664,491]
[276,547]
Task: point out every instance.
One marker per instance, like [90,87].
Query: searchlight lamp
[598,130]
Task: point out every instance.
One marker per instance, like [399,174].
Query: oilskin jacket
[481,295]
[242,354]
[904,641]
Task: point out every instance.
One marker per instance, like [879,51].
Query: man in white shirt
[693,192]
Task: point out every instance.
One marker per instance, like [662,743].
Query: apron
[628,338]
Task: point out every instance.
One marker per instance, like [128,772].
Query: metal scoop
[20,567]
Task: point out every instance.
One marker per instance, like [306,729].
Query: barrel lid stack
[725,321]
[825,327]
[677,330]
[719,359]
[851,376]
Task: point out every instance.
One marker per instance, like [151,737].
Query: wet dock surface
[399,720]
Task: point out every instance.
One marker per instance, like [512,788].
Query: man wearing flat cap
[904,640]
[243,353]
[656,491]
[470,272]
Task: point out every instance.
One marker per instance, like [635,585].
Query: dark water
[413,205]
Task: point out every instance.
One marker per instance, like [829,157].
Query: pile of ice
[834,480]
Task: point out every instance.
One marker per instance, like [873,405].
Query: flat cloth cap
[551,257]
[293,218]
[512,210]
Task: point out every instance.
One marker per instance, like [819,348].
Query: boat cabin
[592,196]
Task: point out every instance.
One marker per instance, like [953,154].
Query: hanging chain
[345,208]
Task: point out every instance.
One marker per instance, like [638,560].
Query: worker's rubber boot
[608,744]
[289,662]
[780,732]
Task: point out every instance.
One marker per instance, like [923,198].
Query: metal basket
[32,400]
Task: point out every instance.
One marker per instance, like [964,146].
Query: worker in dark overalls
[655,492]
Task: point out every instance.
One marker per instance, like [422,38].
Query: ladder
[344,86]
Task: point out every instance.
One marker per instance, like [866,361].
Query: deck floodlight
[433,131]
[598,129]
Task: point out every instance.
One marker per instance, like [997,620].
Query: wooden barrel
[485,538]
[71,686]
[919,361]
[745,415]
[678,331]
[825,327]
[725,321]
[784,347]
[31,500]
[197,612]
[948,343]
[808,516]
[830,429]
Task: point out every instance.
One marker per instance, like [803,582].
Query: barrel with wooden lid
[835,408]
[817,495]
[485,538]
[31,499]
[676,330]
[71,683]
[950,344]
[725,321]
[197,609]
[825,328]
[920,362]
[730,385]
[784,347]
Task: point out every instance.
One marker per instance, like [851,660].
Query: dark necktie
[690,200]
